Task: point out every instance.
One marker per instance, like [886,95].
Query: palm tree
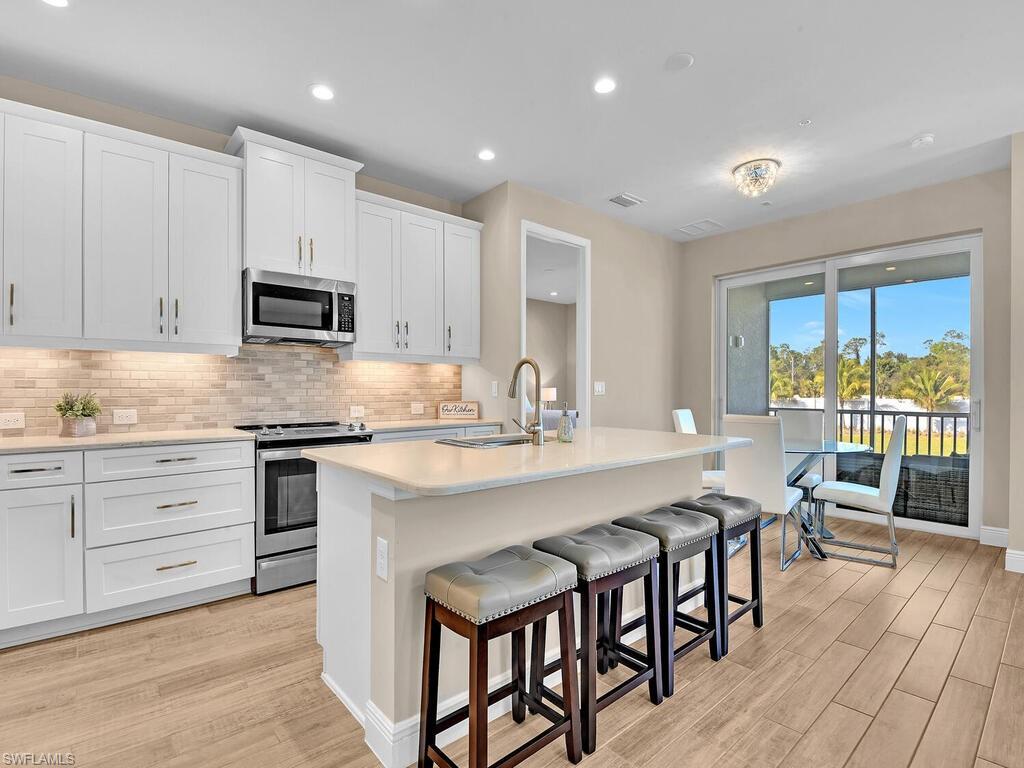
[931,389]
[850,380]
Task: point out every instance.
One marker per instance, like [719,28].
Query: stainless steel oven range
[286,498]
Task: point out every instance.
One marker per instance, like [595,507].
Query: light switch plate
[356,412]
[126,416]
[598,387]
[382,559]
[494,389]
[12,420]
[417,409]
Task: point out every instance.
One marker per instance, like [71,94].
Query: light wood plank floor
[855,666]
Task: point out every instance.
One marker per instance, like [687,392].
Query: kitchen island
[388,513]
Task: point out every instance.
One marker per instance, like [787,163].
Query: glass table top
[825,446]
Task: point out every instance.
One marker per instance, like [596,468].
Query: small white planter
[78,427]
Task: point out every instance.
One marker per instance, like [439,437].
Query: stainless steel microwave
[297,309]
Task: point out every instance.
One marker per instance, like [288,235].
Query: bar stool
[606,557]
[681,535]
[501,594]
[736,515]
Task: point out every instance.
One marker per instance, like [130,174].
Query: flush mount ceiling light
[321,92]
[678,61]
[755,177]
[553,293]
[604,85]
[485,154]
[922,141]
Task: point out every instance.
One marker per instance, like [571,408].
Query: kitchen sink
[486,441]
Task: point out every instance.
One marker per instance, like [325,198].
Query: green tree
[930,388]
[851,380]
[853,347]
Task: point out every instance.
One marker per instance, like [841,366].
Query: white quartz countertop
[411,425]
[119,440]
[425,468]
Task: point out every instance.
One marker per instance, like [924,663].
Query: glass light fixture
[755,177]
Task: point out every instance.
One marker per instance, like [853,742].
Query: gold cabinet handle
[178,504]
[311,253]
[72,515]
[177,313]
[161,315]
[11,305]
[176,565]
[300,250]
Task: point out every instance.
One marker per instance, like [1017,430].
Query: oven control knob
[264,431]
[362,425]
[279,431]
[351,427]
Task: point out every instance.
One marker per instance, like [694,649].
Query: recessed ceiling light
[321,92]
[809,282]
[890,269]
[908,280]
[485,154]
[553,293]
[766,203]
[604,85]
[805,122]
[678,61]
[57,3]
[922,140]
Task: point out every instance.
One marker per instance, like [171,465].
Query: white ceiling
[422,85]
[551,267]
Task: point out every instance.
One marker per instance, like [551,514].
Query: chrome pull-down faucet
[535,427]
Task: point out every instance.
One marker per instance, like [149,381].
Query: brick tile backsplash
[184,391]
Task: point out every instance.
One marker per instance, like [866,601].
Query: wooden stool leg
[667,623]
[712,579]
[519,674]
[428,694]
[537,641]
[588,666]
[616,626]
[755,574]
[651,610]
[478,698]
[570,690]
[603,633]
[720,542]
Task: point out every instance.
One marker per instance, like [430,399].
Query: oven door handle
[269,454]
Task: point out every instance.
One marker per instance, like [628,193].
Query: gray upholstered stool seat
[601,550]
[499,584]
[674,528]
[730,511]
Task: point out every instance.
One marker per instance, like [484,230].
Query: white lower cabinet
[41,546]
[146,570]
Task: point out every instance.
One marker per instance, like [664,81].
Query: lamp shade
[549,394]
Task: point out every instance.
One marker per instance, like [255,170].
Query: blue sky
[907,314]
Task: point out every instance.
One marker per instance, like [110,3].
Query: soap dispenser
[565,428]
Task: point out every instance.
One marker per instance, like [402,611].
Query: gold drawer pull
[177,565]
[178,504]
[182,458]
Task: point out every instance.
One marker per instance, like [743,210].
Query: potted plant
[77,414]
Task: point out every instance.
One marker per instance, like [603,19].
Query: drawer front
[146,570]
[34,470]
[162,460]
[482,431]
[134,510]
[417,434]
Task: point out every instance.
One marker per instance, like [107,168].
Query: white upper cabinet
[205,255]
[330,212]
[461,291]
[299,207]
[125,204]
[274,210]
[378,301]
[42,232]
[41,554]
[422,285]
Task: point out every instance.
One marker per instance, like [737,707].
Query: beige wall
[547,329]
[1016,421]
[633,306]
[977,203]
[71,103]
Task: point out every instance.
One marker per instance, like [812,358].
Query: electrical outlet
[356,411]
[12,420]
[598,387]
[417,409]
[494,389]
[382,559]
[126,416]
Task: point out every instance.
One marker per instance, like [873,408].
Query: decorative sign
[459,410]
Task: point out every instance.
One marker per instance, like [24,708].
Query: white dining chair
[803,425]
[711,479]
[868,499]
[758,472]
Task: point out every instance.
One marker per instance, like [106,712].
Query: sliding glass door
[866,339]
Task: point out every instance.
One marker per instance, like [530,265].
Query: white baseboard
[1015,560]
[350,705]
[396,744]
[994,537]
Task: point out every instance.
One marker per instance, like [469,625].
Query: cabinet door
[378,300]
[205,259]
[330,234]
[274,210]
[125,204]
[422,279]
[41,562]
[461,291]
[42,234]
